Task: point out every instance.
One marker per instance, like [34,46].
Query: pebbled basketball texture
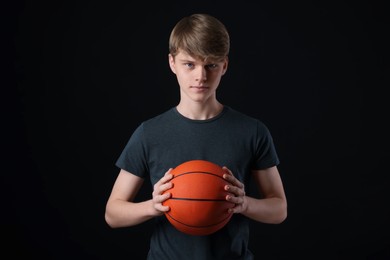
[198,205]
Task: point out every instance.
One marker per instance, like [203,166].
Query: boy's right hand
[158,198]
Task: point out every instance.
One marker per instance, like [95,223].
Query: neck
[200,111]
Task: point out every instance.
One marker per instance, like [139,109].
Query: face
[198,80]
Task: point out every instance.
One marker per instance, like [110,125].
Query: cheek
[181,79]
[216,75]
[183,76]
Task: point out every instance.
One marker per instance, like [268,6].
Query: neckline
[224,109]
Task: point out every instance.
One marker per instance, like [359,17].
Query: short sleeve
[266,155]
[133,156]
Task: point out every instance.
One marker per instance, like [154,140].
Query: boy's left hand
[237,190]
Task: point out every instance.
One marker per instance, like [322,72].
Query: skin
[198,81]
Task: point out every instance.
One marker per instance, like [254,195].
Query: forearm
[121,213]
[269,210]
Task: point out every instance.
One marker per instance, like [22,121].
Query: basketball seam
[201,172]
[205,226]
[197,199]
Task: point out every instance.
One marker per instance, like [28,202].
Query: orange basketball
[198,205]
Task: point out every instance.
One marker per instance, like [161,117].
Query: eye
[211,66]
[189,65]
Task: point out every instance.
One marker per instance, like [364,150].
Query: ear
[171,60]
[225,65]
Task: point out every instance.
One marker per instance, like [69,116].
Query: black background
[78,77]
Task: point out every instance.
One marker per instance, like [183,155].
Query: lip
[199,87]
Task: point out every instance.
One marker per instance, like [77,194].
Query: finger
[169,171]
[228,174]
[233,181]
[235,190]
[165,186]
[234,210]
[160,189]
[230,177]
[161,207]
[167,176]
[234,199]
[158,202]
[157,186]
[162,198]
[227,170]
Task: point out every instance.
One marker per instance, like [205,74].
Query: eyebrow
[187,60]
[196,61]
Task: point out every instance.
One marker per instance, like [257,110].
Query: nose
[201,74]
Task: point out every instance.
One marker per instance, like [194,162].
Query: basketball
[198,205]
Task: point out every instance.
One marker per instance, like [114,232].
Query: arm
[121,211]
[271,208]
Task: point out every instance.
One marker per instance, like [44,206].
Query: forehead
[184,56]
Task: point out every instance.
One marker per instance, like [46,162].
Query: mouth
[199,87]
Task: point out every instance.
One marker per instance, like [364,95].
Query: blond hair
[200,35]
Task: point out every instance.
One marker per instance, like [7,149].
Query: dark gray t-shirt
[230,139]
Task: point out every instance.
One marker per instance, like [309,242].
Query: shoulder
[159,125]
[245,123]
[162,118]
[234,114]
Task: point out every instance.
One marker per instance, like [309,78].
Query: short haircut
[200,35]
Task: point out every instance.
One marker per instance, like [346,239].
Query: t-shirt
[230,139]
